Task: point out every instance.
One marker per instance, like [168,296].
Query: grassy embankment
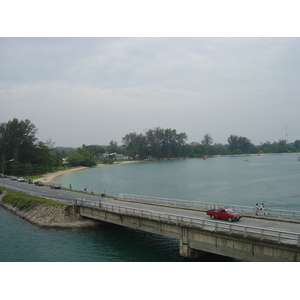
[22,201]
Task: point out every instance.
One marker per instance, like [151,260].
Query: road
[46,191]
[71,196]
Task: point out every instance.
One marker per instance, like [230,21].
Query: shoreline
[42,214]
[50,177]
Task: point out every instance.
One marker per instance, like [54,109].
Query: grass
[20,200]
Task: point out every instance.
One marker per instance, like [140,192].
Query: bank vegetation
[21,154]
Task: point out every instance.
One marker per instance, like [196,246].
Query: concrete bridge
[254,238]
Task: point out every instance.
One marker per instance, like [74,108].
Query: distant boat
[299,158]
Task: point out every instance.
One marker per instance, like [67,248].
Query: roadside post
[3,171]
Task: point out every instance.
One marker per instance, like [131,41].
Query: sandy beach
[50,177]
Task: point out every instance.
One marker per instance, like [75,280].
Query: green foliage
[112,147]
[107,161]
[135,145]
[17,201]
[161,143]
[240,145]
[30,156]
[279,147]
[82,157]
[296,145]
[158,143]
[23,201]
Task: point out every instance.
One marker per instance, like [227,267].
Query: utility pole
[3,171]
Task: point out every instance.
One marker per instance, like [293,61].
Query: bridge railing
[269,212]
[281,237]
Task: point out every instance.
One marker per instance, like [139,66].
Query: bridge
[254,238]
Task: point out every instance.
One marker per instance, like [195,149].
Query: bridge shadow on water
[122,244]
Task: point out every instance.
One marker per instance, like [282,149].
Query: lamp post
[3,170]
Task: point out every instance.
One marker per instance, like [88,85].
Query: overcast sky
[131,72]
[93,90]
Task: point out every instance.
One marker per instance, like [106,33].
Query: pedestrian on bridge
[262,208]
[256,209]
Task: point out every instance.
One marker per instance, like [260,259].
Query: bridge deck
[246,226]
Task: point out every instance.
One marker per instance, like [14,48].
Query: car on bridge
[224,213]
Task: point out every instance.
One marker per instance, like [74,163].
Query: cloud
[93,90]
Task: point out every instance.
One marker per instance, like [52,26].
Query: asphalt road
[71,196]
[46,191]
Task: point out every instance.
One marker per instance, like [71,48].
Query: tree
[233,142]
[207,144]
[157,142]
[155,139]
[244,144]
[207,140]
[15,166]
[95,150]
[17,137]
[240,145]
[50,144]
[84,157]
[135,144]
[169,142]
[112,147]
[296,145]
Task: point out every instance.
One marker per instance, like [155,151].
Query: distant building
[65,161]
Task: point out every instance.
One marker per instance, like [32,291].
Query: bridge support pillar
[185,249]
[189,252]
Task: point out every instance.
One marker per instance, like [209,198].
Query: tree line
[30,156]
[167,143]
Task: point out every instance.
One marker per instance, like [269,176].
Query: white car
[21,179]
[55,185]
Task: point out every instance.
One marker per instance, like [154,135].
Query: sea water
[241,180]
[272,179]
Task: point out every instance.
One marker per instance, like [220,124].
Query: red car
[224,213]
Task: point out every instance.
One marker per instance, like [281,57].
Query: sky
[88,72]
[92,90]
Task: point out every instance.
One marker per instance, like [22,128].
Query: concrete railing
[277,236]
[269,212]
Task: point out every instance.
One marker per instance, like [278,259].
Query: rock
[46,215]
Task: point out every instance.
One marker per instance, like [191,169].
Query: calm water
[272,179]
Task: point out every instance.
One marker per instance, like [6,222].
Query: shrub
[107,161]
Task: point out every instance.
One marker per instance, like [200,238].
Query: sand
[50,177]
